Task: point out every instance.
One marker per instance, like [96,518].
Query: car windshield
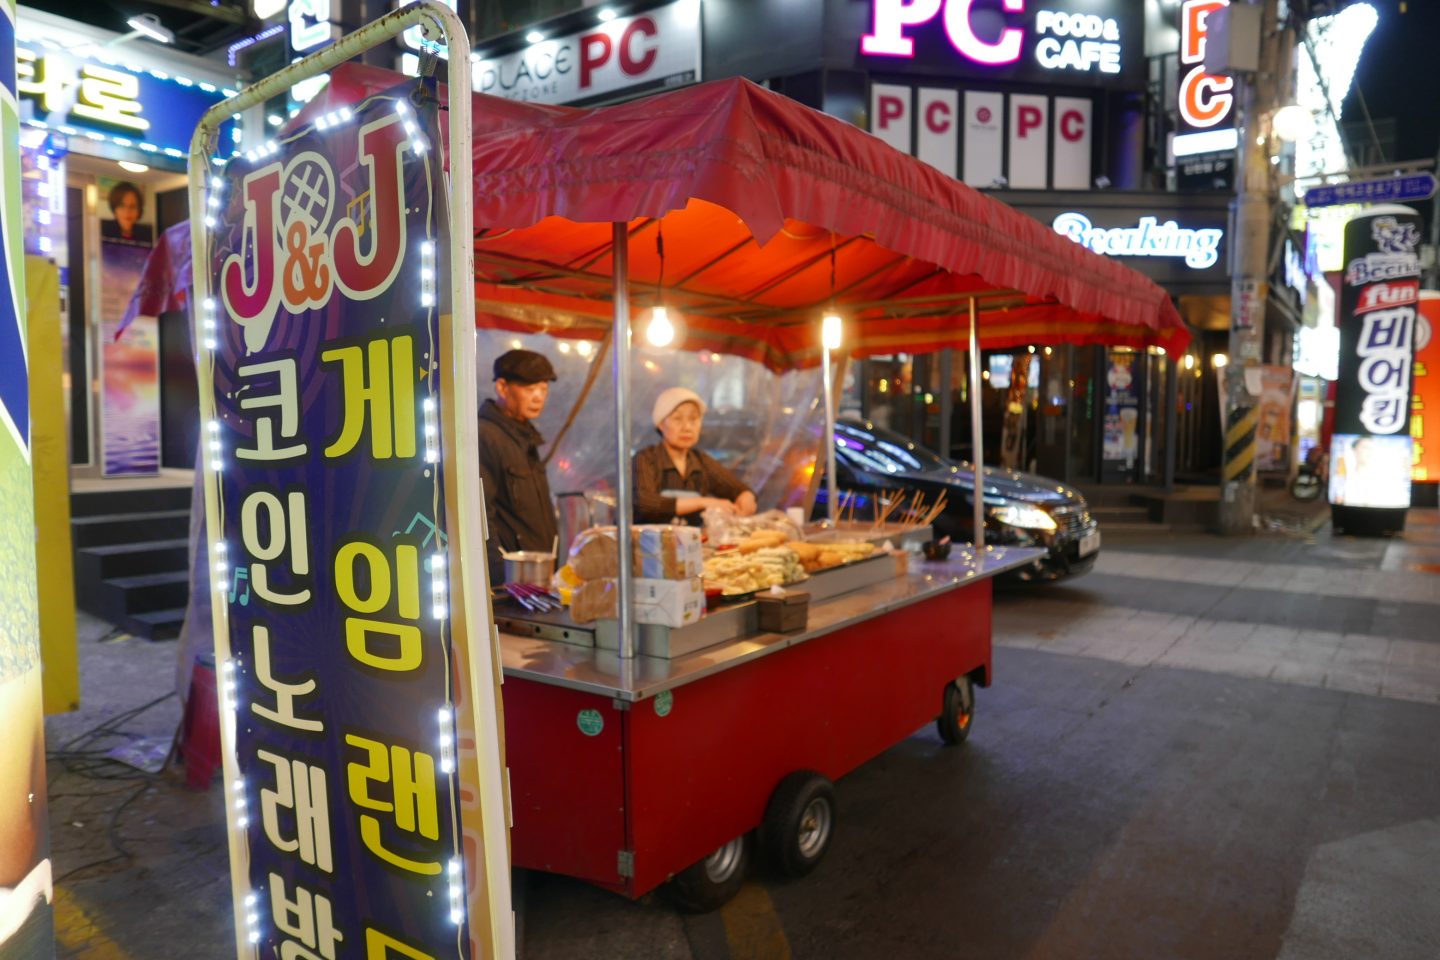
[879,451]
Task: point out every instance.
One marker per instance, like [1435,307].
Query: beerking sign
[1380,288]
[341,692]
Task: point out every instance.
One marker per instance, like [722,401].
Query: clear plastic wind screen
[764,426]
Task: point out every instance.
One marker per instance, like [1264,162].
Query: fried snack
[807,552]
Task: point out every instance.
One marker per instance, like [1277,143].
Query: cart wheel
[958,713]
[799,822]
[711,883]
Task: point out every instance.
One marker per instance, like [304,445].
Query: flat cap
[523,366]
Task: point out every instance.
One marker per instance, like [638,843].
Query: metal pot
[529,566]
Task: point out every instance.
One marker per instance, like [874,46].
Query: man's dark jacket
[518,508]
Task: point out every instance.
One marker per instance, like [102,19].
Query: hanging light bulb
[661,331]
[830,331]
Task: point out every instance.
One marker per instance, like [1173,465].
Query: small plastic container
[783,613]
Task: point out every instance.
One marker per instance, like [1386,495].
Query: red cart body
[625,794]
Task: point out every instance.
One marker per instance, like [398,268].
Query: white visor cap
[670,399]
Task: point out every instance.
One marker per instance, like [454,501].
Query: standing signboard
[361,729]
[1370,451]
[1425,401]
[26,884]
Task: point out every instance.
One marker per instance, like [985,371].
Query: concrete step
[119,598]
[114,528]
[97,563]
[138,500]
[1131,513]
[156,624]
[1108,527]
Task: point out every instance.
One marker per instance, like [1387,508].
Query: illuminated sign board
[1371,448]
[1205,103]
[99,98]
[1425,399]
[1150,237]
[1048,40]
[624,56]
[350,696]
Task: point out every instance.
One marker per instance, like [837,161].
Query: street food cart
[634,761]
[629,768]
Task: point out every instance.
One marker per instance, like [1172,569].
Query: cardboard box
[667,603]
[658,552]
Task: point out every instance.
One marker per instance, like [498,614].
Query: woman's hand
[716,503]
[745,504]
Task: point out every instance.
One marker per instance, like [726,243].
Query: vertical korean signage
[26,884]
[1370,452]
[343,690]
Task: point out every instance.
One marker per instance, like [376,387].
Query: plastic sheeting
[764,426]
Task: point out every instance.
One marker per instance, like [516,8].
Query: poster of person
[129,368]
[1370,471]
[126,209]
[1272,434]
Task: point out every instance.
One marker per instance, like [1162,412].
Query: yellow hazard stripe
[1244,425]
[1241,463]
[752,927]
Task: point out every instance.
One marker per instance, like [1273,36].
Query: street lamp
[1292,123]
[149,25]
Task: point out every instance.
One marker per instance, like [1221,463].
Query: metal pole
[831,484]
[1172,400]
[620,371]
[947,401]
[977,434]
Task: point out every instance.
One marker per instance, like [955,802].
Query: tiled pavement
[1359,616]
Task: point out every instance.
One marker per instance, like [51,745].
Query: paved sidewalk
[1337,613]
[1208,748]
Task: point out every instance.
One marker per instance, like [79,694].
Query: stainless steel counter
[599,671]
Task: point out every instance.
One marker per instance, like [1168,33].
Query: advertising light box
[1370,451]
[340,629]
[1081,42]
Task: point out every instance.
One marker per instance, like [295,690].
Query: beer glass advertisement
[1122,409]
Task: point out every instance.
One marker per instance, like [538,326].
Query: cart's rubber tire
[799,823]
[957,714]
[711,883]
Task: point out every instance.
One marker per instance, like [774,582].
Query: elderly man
[518,508]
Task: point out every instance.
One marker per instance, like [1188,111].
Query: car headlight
[1023,515]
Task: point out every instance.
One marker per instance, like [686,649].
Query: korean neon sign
[102,99]
[1067,41]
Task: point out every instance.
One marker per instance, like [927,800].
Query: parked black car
[1021,509]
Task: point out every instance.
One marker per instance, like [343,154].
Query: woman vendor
[673,479]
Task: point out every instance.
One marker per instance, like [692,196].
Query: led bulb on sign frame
[830,331]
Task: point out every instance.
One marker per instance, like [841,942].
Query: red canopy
[770,213]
